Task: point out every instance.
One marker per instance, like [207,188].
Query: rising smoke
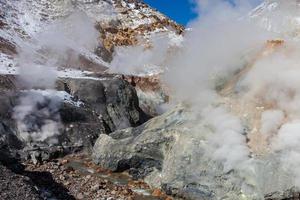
[139,59]
[58,45]
[226,49]
[221,42]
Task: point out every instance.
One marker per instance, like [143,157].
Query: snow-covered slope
[279,16]
[119,22]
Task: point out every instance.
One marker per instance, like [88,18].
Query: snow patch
[77,74]
[62,95]
[7,65]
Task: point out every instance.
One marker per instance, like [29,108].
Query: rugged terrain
[86,112]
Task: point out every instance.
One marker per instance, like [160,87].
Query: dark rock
[113,99]
[82,126]
[291,193]
[9,146]
[107,104]
[8,83]
[104,54]
[86,63]
[196,191]
[123,104]
[7,47]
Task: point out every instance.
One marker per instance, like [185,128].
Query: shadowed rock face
[12,185]
[106,105]
[151,91]
[129,150]
[6,47]
[114,100]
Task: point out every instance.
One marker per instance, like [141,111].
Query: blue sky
[180,11]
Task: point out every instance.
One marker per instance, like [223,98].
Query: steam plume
[222,42]
[226,58]
[60,43]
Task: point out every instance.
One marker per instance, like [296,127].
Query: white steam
[271,120]
[38,117]
[227,57]
[221,42]
[228,142]
[139,59]
[287,145]
[57,46]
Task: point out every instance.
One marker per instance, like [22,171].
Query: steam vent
[113,100]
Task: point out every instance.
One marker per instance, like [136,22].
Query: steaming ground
[58,44]
[37,114]
[245,90]
[235,78]
[244,82]
[62,44]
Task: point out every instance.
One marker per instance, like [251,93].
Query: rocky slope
[89,97]
[119,23]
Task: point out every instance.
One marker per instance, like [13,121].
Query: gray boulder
[141,150]
[126,149]
[172,152]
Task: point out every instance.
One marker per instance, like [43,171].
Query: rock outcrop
[114,99]
[97,106]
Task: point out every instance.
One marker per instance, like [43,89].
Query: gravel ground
[76,177]
[16,187]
